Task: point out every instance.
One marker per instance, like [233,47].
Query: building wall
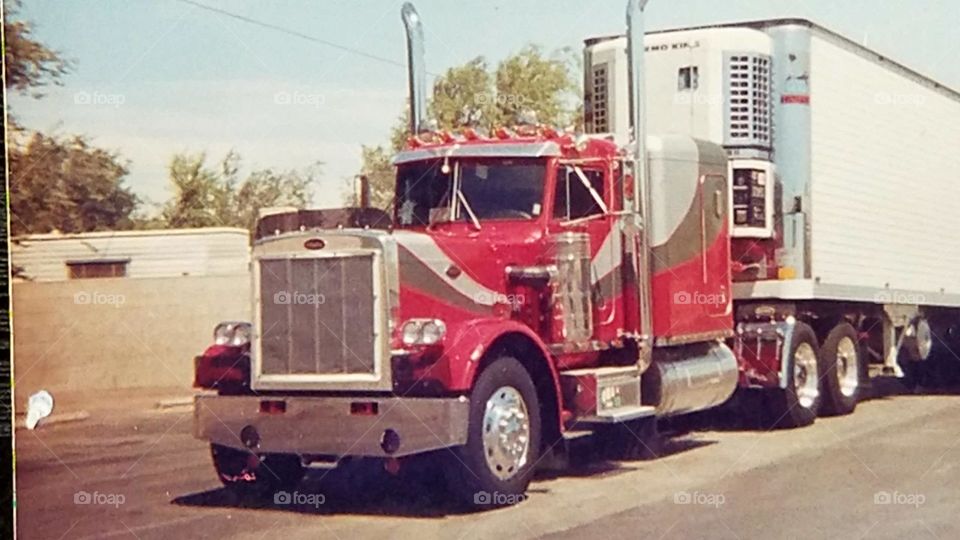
[118,333]
[151,254]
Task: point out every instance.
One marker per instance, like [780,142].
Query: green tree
[464,96]
[529,80]
[28,64]
[56,183]
[66,185]
[472,95]
[207,196]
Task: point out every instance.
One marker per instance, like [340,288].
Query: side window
[688,78]
[575,200]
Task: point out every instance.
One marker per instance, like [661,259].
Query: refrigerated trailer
[844,168]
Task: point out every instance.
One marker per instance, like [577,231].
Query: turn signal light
[273,407]
[365,408]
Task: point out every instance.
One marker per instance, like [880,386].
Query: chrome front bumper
[326,426]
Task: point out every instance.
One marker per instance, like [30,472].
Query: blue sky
[156,77]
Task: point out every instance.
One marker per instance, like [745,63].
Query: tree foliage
[464,96]
[205,196]
[66,185]
[28,63]
[474,95]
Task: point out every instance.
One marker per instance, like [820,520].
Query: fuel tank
[690,378]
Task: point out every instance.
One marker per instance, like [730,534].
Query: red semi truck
[531,285]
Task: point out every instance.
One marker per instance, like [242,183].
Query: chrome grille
[317,315]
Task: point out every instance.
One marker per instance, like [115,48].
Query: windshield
[469,190]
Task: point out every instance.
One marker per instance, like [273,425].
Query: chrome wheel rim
[805,375]
[848,367]
[506,432]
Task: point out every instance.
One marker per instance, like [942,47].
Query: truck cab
[528,285]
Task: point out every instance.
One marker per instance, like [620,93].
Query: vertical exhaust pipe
[641,183]
[363,191]
[416,71]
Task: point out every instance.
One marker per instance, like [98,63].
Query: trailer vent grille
[599,117]
[748,112]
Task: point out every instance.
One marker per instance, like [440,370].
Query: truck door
[583,203]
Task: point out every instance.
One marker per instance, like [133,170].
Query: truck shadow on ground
[419,492]
[745,412]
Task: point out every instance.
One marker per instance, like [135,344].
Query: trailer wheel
[841,380]
[246,473]
[494,468]
[797,405]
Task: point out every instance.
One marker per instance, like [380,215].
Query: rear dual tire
[797,404]
[843,371]
[821,380]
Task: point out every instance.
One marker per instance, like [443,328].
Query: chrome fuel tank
[690,378]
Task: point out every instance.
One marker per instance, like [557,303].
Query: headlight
[233,333]
[411,332]
[432,332]
[423,331]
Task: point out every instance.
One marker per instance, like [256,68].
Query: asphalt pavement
[887,471]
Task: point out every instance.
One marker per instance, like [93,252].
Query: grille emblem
[315,243]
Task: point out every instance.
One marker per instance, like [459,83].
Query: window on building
[688,78]
[573,199]
[97,269]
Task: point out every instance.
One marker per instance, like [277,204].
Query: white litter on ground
[39,406]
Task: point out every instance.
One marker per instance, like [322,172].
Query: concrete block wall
[118,333]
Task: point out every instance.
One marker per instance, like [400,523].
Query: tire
[246,473]
[505,388]
[798,404]
[843,373]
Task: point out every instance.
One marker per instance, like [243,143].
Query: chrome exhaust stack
[416,70]
[362,189]
[641,184]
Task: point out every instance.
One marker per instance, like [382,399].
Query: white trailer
[845,170]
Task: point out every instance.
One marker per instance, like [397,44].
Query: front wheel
[494,468]
[798,403]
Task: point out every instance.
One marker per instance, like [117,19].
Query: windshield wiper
[466,205]
[457,180]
